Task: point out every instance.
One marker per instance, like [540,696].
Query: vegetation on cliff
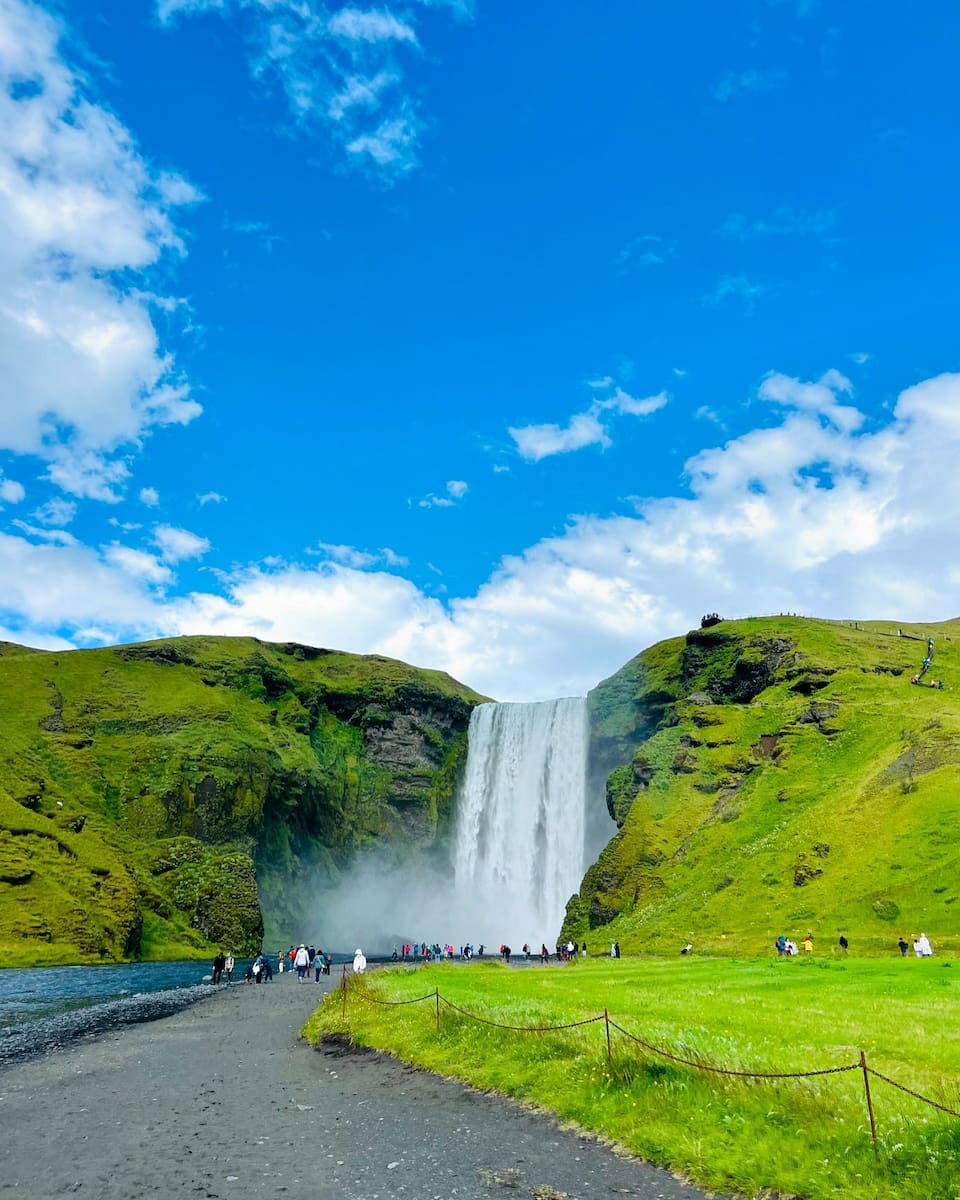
[778,775]
[147,790]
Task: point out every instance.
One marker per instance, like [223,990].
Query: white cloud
[138,563]
[11,492]
[371,25]
[815,513]
[179,544]
[80,211]
[211,498]
[456,490]
[340,72]
[150,497]
[56,511]
[126,526]
[622,402]
[59,537]
[535,442]
[352,557]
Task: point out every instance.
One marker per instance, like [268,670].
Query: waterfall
[519,838]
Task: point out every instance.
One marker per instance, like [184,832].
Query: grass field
[790,1138]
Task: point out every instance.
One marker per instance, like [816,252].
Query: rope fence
[609,1024]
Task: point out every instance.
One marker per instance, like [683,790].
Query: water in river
[29,993]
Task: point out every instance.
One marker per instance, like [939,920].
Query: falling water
[519,848]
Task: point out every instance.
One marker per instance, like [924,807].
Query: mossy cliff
[778,775]
[153,796]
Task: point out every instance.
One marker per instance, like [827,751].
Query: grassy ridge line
[778,775]
[152,796]
[806,1138]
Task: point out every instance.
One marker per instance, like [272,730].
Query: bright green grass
[806,1138]
[756,820]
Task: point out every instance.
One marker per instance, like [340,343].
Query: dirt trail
[222,1099]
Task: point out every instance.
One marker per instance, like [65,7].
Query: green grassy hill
[779,775]
[146,791]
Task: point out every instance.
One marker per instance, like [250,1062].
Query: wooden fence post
[866,1088]
[436,992]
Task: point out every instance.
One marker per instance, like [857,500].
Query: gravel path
[222,1099]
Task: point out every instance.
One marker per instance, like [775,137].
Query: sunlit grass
[806,1138]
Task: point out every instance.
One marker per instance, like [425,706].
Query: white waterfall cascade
[519,839]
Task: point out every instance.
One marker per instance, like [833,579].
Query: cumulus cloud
[535,442]
[816,512]
[80,212]
[178,544]
[340,72]
[138,563]
[211,498]
[56,511]
[11,492]
[150,497]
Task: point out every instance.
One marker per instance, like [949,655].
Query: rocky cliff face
[774,775]
[160,799]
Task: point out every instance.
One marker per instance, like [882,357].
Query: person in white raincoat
[359,962]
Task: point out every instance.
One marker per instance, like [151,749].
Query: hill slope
[146,790]
[779,775]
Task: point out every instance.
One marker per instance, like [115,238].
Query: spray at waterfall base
[516,852]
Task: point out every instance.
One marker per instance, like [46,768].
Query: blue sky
[501,338]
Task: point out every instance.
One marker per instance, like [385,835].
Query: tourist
[808,944]
[257,968]
[616,949]
[685,950]
[359,962]
[583,950]
[318,964]
[301,961]
[781,945]
[267,971]
[327,960]
[613,949]
[280,961]
[926,950]
[544,953]
[904,946]
[506,954]
[843,944]
[219,963]
[291,955]
[228,968]
[916,945]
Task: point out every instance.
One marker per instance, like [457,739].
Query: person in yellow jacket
[808,944]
